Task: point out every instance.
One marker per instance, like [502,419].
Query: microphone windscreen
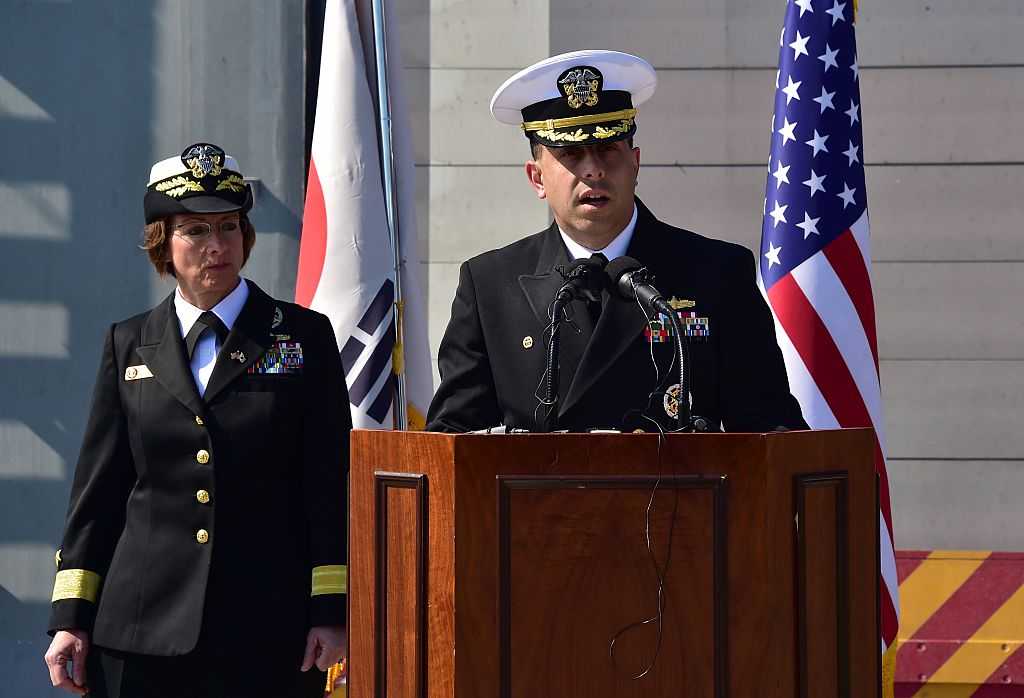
[594,263]
[619,266]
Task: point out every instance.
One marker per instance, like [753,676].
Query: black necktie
[207,321]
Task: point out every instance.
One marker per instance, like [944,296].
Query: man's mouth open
[595,199]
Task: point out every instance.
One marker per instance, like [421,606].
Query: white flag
[346,261]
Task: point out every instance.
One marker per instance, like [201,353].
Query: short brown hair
[156,242]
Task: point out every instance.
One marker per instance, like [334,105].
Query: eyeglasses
[198,231]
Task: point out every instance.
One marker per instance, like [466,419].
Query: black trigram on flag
[366,358]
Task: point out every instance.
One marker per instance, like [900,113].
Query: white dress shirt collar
[616,248]
[227,310]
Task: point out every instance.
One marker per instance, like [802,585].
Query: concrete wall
[92,93]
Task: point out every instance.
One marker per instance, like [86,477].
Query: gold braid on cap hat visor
[569,122]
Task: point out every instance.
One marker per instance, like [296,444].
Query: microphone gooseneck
[634,282]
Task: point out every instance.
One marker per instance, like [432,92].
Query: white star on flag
[804,5]
[787,131]
[856,69]
[772,255]
[779,214]
[818,143]
[781,175]
[790,90]
[815,183]
[828,58]
[799,45]
[809,226]
[851,153]
[836,11]
[852,113]
[846,195]
[825,100]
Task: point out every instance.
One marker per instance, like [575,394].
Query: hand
[325,645]
[73,646]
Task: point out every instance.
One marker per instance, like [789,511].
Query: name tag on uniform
[281,358]
[134,373]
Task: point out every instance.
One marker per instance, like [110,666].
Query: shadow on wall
[76,93]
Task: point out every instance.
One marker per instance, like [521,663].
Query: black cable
[551,364]
[549,399]
[660,571]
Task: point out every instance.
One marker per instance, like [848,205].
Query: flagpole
[388,169]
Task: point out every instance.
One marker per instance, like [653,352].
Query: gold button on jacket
[203,496]
[199,420]
[202,536]
[203,457]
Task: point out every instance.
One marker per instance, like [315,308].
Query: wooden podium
[486,566]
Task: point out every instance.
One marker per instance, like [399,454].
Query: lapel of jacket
[540,289]
[248,340]
[163,352]
[621,321]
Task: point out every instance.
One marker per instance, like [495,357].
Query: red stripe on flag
[819,352]
[884,501]
[889,618]
[828,369]
[313,243]
[846,259]
[956,621]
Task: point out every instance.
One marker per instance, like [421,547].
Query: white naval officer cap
[577,98]
[203,179]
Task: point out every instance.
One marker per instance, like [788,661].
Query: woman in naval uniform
[204,547]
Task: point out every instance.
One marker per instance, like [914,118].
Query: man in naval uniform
[617,364]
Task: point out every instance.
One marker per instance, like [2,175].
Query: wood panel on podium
[707,565]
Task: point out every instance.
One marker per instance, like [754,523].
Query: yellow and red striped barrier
[961,624]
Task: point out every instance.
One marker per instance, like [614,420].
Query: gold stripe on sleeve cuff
[76,584]
[330,579]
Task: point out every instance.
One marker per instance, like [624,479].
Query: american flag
[815,244]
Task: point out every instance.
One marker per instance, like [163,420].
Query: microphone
[632,281]
[584,279]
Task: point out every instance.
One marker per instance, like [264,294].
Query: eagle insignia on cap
[204,160]
[581,86]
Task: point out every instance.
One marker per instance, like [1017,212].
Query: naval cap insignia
[203,160]
[581,86]
[278,318]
